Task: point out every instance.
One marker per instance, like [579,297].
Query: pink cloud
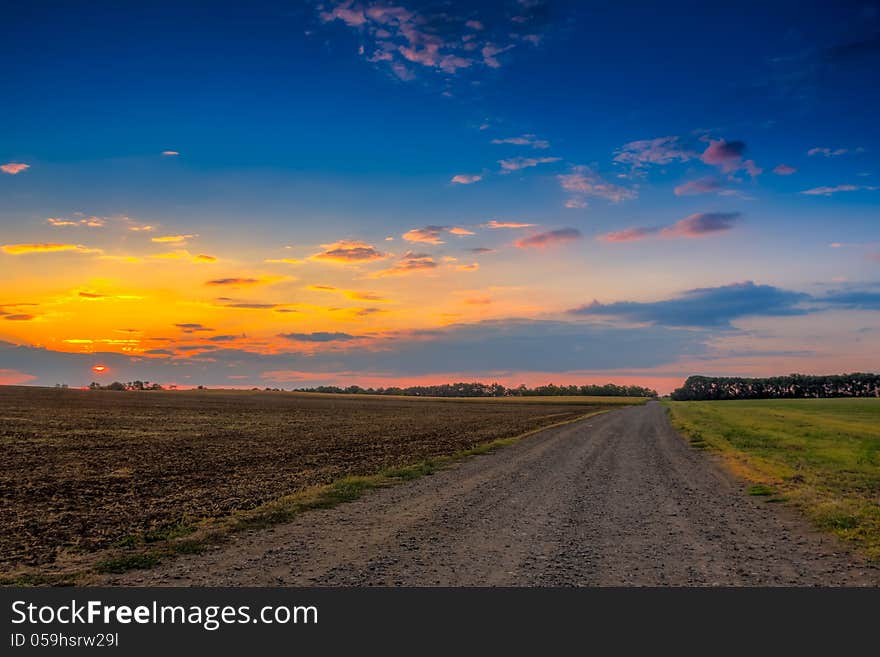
[506,224]
[582,180]
[701,186]
[347,13]
[13,168]
[517,163]
[728,156]
[784,170]
[628,234]
[549,238]
[695,225]
[433,234]
[466,179]
[702,223]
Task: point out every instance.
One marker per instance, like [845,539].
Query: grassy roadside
[148,550]
[821,456]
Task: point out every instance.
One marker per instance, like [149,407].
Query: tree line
[793,386]
[477,389]
[130,385]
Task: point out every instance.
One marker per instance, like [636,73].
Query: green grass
[821,455]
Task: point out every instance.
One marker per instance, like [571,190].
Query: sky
[289,194]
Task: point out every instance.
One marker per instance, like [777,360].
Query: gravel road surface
[617,499]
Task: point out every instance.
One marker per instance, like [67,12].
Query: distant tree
[698,388]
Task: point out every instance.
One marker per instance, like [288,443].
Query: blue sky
[650,151]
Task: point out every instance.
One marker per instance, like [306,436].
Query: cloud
[466,179]
[432,234]
[549,238]
[224,338]
[827,152]
[492,223]
[784,170]
[45,247]
[411,262]
[284,261]
[431,37]
[479,250]
[662,150]
[517,163]
[695,225]
[89,222]
[629,234]
[319,336]
[728,156]
[20,317]
[14,168]
[176,239]
[828,191]
[191,327]
[474,266]
[159,352]
[509,345]
[348,252]
[170,153]
[700,186]
[702,223]
[235,281]
[575,203]
[584,181]
[204,258]
[354,295]
[710,307]
[524,140]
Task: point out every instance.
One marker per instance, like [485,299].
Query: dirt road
[618,499]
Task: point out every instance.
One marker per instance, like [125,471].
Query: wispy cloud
[629,234]
[88,222]
[549,238]
[702,223]
[833,152]
[174,239]
[828,191]
[784,170]
[411,262]
[348,252]
[705,185]
[236,282]
[517,163]
[408,39]
[699,224]
[585,182]
[661,150]
[170,153]
[45,247]
[524,140]
[433,234]
[466,178]
[319,336]
[193,327]
[492,223]
[14,168]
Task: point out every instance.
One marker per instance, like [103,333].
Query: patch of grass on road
[821,455]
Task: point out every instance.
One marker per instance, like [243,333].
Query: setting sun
[99,369]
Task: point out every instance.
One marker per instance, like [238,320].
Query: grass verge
[148,550]
[819,455]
